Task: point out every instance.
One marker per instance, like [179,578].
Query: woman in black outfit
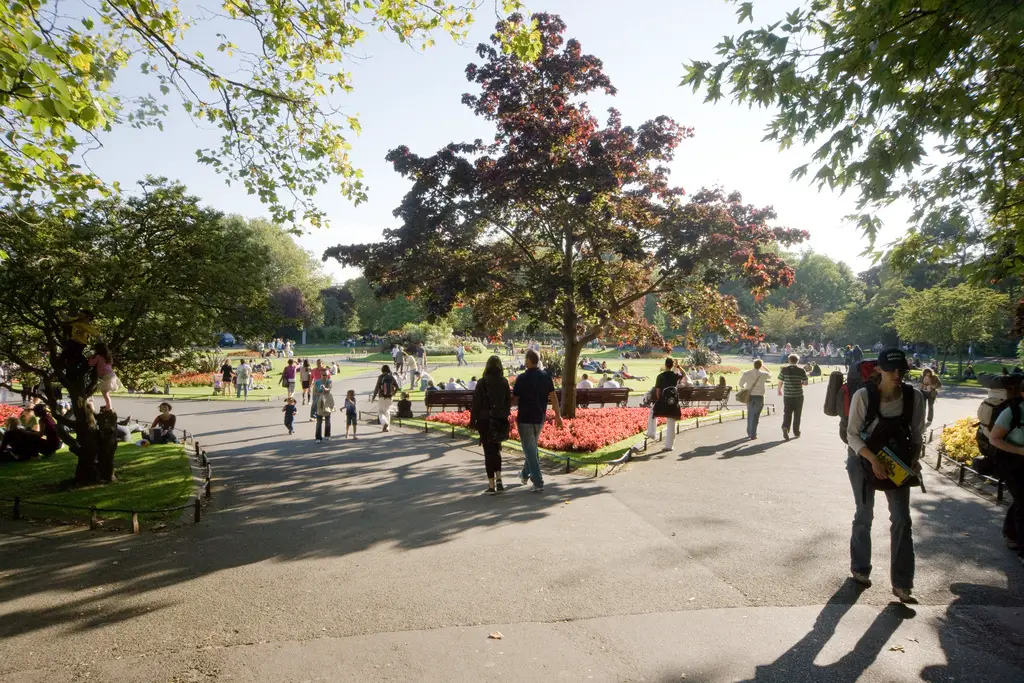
[492,404]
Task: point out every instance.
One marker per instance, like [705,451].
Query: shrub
[958,441]
[201,360]
[552,363]
[701,354]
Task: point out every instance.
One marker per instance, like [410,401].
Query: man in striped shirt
[792,380]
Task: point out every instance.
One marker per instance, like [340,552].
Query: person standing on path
[289,414]
[754,382]
[383,393]
[532,391]
[879,416]
[242,379]
[288,377]
[324,405]
[492,405]
[421,357]
[930,386]
[665,404]
[315,374]
[351,412]
[226,372]
[793,379]
[304,378]
[1007,435]
[460,355]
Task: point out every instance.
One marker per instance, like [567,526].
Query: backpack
[670,397]
[835,386]
[387,386]
[892,433]
[856,379]
[988,411]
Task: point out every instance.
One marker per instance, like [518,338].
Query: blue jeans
[754,408]
[901,569]
[242,386]
[312,405]
[528,434]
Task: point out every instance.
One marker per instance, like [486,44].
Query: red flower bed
[244,354]
[7,411]
[590,430]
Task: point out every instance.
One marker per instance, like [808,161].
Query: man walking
[460,355]
[532,392]
[792,380]
[421,357]
[754,382]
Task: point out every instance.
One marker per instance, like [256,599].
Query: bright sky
[405,97]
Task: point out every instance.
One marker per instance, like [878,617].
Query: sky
[413,98]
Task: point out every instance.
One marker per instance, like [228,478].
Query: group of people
[276,348]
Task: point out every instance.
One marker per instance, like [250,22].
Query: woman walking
[930,386]
[492,405]
[889,414]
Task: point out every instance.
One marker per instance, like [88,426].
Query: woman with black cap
[890,414]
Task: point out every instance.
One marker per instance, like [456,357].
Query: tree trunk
[569,368]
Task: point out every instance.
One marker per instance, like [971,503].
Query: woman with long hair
[492,405]
[930,386]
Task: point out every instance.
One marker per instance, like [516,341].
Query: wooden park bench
[441,398]
[697,396]
[587,397]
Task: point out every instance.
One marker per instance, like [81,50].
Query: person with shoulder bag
[930,386]
[492,405]
[385,391]
[751,392]
[884,437]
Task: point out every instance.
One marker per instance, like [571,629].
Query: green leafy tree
[951,318]
[903,99]
[566,220]
[821,284]
[148,270]
[382,314]
[266,74]
[782,324]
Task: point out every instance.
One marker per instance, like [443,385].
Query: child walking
[289,414]
[350,413]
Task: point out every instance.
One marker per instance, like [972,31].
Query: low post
[743,414]
[198,510]
[698,423]
[938,461]
[999,491]
[135,522]
[16,514]
[963,473]
[931,435]
[453,431]
[567,465]
[198,454]
[719,417]
[645,443]
[426,430]
[94,520]
[677,427]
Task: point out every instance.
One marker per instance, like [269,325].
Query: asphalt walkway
[381,560]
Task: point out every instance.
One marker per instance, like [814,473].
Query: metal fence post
[938,461]
[198,510]
[94,520]
[17,508]
[963,473]
[719,417]
[453,431]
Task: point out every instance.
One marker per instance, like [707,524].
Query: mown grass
[148,478]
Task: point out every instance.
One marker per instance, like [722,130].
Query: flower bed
[723,369]
[7,411]
[202,379]
[590,430]
[958,441]
[244,354]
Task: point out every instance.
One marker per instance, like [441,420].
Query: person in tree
[492,405]
[106,380]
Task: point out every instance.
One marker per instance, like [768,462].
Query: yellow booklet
[898,470]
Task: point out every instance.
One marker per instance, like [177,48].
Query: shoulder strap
[1015,413]
[908,403]
[874,397]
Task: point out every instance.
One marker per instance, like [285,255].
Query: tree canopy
[266,74]
[568,221]
[782,324]
[904,100]
[148,271]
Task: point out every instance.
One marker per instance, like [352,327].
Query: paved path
[380,561]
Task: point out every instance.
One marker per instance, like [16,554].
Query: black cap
[893,359]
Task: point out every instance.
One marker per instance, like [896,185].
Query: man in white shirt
[451,385]
[754,381]
[608,383]
[242,372]
[472,384]
[585,383]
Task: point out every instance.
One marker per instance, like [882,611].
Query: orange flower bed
[244,354]
[202,379]
[591,429]
[7,411]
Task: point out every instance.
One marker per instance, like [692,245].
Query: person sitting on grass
[969,371]
[162,428]
[24,444]
[405,405]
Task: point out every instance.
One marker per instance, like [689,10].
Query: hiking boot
[499,486]
[490,491]
[904,596]
[537,489]
[796,435]
[785,435]
[862,579]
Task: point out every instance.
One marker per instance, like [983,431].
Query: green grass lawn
[148,478]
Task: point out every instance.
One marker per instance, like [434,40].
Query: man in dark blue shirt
[532,392]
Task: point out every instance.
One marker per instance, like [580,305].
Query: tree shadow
[275,499]
[737,448]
